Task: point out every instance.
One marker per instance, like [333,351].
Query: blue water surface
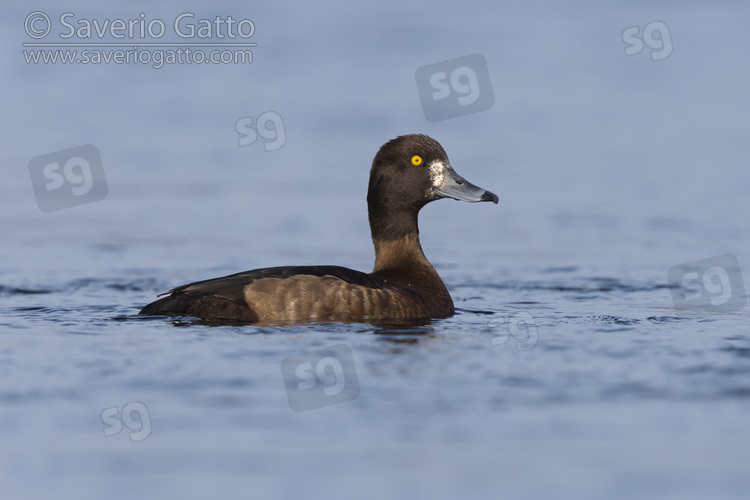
[569,370]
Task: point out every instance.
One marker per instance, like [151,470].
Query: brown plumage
[407,173]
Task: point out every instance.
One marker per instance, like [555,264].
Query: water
[610,171]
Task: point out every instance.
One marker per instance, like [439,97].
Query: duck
[407,173]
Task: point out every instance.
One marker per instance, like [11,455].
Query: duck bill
[456,187]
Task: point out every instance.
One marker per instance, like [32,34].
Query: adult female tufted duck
[407,173]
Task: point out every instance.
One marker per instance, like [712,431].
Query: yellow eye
[416,160]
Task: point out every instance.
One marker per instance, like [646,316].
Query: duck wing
[251,295]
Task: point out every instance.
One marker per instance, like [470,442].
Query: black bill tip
[488,196]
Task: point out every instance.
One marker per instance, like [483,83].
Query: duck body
[407,173]
[305,294]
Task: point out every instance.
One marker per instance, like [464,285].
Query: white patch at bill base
[437,173]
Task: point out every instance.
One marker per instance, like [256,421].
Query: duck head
[407,173]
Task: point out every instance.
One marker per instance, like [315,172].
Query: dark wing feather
[225,297]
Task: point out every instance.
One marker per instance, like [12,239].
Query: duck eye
[416,160]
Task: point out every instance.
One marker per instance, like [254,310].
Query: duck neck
[396,238]
[402,256]
[398,254]
[402,262]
